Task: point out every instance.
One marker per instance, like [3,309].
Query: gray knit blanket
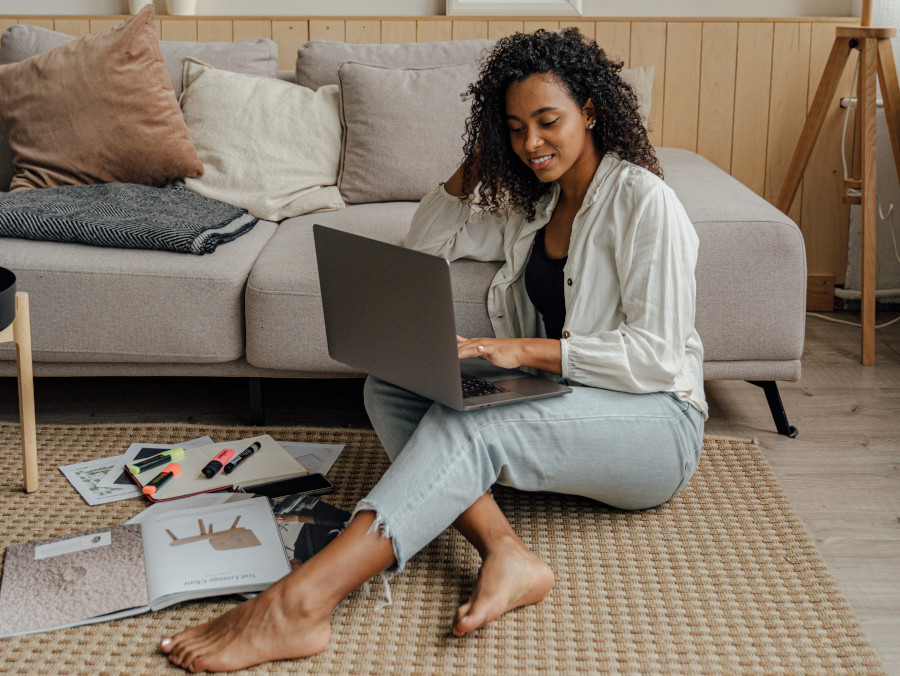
[123,215]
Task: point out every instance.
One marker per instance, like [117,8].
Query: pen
[172,470]
[246,453]
[213,466]
[166,456]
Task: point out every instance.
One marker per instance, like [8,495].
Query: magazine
[307,524]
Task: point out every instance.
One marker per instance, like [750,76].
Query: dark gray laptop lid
[398,327]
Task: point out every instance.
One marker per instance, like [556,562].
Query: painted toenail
[166,642]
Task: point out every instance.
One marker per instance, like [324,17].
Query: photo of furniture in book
[232,538]
[307,524]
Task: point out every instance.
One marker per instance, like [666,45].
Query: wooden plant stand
[19,332]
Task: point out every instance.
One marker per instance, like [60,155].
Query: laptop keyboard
[476,387]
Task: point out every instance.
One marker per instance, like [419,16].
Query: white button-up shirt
[630,290]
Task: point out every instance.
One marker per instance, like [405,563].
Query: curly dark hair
[588,74]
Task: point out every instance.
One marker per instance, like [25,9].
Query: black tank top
[544,285]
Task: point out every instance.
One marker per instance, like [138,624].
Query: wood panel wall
[733,90]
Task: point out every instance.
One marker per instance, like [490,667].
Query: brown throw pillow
[99,109]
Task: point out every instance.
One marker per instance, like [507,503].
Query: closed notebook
[269,463]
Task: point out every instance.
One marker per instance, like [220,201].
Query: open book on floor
[108,573]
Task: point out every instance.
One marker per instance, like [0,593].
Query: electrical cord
[844,321]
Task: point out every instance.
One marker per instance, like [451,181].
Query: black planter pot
[7,298]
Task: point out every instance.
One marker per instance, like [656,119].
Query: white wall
[733,8]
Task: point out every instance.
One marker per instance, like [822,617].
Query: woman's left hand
[503,352]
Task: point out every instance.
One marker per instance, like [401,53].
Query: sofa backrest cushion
[402,129]
[267,145]
[99,109]
[318,61]
[255,56]
[402,111]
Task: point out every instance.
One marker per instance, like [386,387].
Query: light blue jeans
[630,451]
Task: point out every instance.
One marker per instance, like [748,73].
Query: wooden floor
[842,473]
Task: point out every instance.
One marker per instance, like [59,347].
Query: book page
[316,458]
[270,462]
[221,549]
[74,579]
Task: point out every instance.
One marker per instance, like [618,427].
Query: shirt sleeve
[655,256]
[444,225]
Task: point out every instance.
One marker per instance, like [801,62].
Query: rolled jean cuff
[384,528]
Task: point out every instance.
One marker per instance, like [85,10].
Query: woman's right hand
[455,186]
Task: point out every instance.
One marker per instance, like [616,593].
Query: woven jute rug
[722,579]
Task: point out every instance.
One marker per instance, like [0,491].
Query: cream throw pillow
[641,81]
[269,146]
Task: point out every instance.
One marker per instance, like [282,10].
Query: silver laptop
[389,312]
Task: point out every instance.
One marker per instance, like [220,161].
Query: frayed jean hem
[384,530]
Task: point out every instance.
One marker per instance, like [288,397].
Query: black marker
[246,453]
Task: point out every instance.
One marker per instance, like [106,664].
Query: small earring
[591,125]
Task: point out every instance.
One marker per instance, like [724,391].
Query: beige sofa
[252,308]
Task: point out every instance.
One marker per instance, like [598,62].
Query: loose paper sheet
[317,458]
[87,477]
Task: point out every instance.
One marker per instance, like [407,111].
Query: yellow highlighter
[171,455]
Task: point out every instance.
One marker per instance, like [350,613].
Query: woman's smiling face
[548,130]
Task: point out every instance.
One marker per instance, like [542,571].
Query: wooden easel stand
[875,57]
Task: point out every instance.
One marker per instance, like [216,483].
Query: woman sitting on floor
[597,288]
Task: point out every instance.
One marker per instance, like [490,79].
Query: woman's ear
[589,113]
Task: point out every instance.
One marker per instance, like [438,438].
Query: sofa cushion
[751,279]
[285,327]
[641,81]
[99,109]
[268,146]
[751,269]
[254,56]
[318,60]
[419,84]
[402,129]
[95,304]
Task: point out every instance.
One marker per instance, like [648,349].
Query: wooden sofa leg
[777,408]
[257,410]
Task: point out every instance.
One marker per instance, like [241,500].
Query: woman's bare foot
[293,617]
[511,576]
[275,625]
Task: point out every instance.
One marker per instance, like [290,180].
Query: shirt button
[569,281]
[566,334]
